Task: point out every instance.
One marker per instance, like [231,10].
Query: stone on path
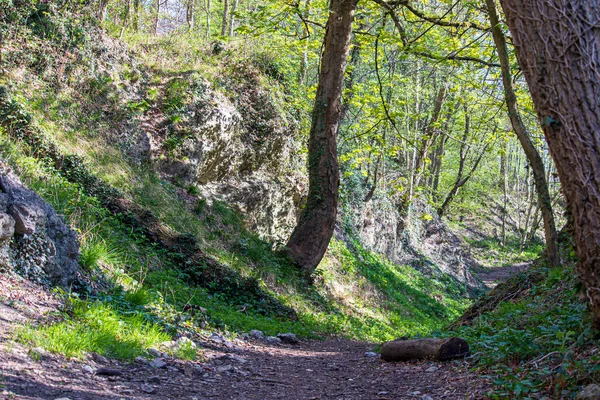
[288,338]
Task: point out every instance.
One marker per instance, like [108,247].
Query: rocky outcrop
[425,243]
[229,154]
[34,240]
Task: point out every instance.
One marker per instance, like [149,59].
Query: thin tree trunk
[503,178]
[529,148]
[156,17]
[225,17]
[190,14]
[430,135]
[207,9]
[232,17]
[136,15]
[310,238]
[558,48]
[125,18]
[303,76]
[103,10]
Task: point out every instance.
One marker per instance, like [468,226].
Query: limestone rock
[44,248]
[7,226]
[27,217]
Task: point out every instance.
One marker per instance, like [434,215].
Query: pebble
[256,334]
[226,368]
[40,352]
[157,363]
[141,360]
[371,354]
[431,369]
[153,379]
[288,338]
[155,353]
[215,337]
[99,358]
[147,388]
[63,398]
[426,397]
[88,369]
[272,340]
[382,393]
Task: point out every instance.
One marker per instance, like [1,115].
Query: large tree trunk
[558,47]
[532,154]
[310,238]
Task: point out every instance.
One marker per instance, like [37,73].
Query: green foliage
[96,327]
[537,343]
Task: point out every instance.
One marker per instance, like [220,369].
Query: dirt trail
[231,370]
[312,370]
[491,277]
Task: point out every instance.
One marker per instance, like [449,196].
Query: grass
[96,327]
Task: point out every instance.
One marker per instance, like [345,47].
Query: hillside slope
[173,180]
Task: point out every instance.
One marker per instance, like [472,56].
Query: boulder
[43,248]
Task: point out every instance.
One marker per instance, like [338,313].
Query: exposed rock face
[426,243]
[252,166]
[33,238]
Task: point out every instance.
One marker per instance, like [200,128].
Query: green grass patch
[96,327]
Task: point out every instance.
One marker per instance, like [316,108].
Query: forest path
[331,369]
[230,370]
[491,277]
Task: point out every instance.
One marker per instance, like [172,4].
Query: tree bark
[532,154]
[310,238]
[190,14]
[225,17]
[136,15]
[558,47]
[232,17]
[433,349]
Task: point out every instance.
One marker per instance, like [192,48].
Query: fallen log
[433,349]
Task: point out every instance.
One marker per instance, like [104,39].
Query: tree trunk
[310,238]
[532,154]
[232,17]
[430,136]
[136,15]
[558,48]
[503,179]
[190,14]
[432,349]
[156,17]
[103,10]
[225,17]
[207,9]
[303,76]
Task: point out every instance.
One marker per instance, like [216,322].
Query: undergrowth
[537,339]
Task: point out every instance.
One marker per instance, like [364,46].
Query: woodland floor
[327,369]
